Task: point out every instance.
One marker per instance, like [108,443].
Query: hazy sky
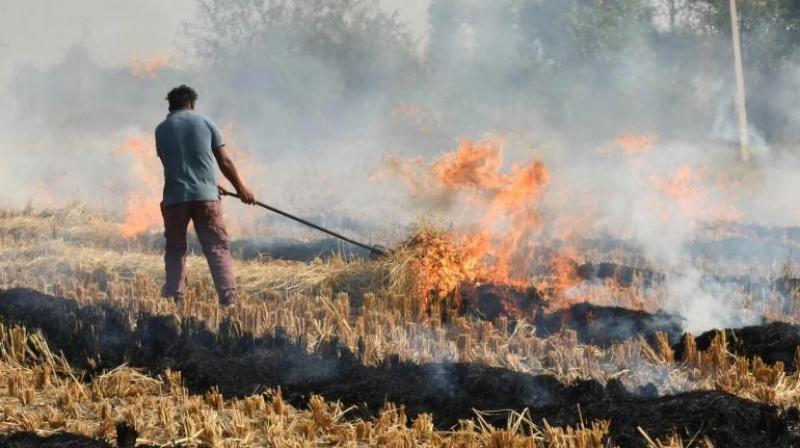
[115,31]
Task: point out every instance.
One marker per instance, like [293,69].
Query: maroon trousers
[207,219]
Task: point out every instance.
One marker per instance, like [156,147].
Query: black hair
[180,96]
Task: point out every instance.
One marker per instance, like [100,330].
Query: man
[188,144]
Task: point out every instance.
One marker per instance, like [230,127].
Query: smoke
[317,93]
[707,304]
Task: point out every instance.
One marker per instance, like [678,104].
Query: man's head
[181,97]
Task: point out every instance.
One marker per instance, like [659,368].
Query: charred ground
[99,337]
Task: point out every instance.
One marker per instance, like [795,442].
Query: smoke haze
[315,94]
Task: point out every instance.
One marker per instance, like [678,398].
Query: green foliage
[770,28]
[353,37]
[603,29]
[660,64]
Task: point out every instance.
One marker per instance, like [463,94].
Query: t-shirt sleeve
[216,136]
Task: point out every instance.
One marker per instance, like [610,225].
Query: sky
[115,32]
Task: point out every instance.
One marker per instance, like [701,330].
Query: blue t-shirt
[185,141]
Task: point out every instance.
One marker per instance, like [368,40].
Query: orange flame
[498,245]
[141,215]
[45,196]
[683,187]
[142,212]
[635,143]
[505,216]
[411,172]
[474,165]
[688,193]
[249,169]
[436,262]
[148,68]
[563,275]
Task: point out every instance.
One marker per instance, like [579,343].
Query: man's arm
[230,173]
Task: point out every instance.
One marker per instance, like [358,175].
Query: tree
[279,68]
[354,38]
[770,28]
[770,34]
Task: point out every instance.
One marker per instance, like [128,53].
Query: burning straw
[430,265]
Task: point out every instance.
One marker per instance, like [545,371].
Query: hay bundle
[430,266]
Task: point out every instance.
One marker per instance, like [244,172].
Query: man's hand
[246,195]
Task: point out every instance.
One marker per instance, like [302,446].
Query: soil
[622,275]
[774,342]
[627,276]
[97,337]
[31,440]
[593,324]
[607,325]
[126,438]
[491,300]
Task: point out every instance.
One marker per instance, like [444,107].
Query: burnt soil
[625,276]
[774,342]
[99,337]
[126,438]
[65,440]
[592,324]
[606,325]
[31,440]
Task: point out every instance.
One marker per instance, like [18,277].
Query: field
[404,351]
[591,235]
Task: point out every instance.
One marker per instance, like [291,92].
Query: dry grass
[41,394]
[78,254]
[305,299]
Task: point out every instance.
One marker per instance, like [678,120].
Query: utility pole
[741,97]
[673,11]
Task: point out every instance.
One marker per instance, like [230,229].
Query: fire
[475,165]
[248,167]
[635,143]
[683,187]
[502,239]
[242,224]
[148,68]
[142,212]
[142,209]
[563,274]
[504,216]
[411,172]
[498,243]
[688,194]
[45,196]
[435,267]
[140,215]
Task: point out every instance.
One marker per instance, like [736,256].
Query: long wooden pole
[373,250]
[741,97]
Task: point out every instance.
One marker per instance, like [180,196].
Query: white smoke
[706,304]
[318,91]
